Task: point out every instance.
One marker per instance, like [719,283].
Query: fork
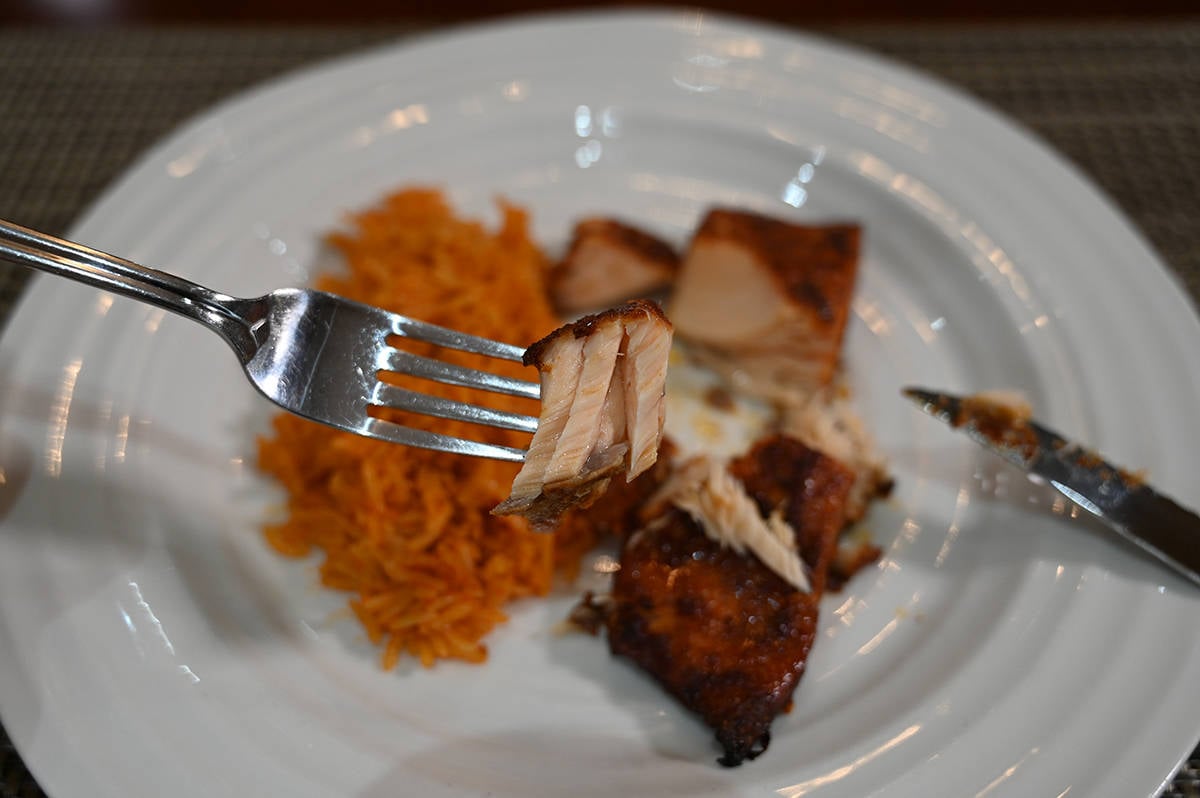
[312,353]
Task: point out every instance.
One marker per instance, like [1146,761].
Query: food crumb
[1002,417]
[719,398]
[588,616]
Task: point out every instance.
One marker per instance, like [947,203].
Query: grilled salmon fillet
[722,632]
[809,489]
[603,379]
[766,300]
[609,262]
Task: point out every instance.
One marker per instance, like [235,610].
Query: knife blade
[1119,498]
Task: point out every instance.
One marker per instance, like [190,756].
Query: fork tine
[453,339]
[386,430]
[386,395]
[440,371]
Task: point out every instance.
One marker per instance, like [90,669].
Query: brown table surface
[1121,101]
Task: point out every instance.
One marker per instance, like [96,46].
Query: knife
[1119,498]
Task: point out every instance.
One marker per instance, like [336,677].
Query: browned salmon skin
[723,633]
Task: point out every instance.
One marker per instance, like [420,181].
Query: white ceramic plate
[150,645]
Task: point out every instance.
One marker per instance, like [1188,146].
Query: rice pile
[407,532]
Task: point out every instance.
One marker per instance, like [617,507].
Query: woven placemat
[1122,102]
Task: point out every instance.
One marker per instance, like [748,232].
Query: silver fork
[310,352]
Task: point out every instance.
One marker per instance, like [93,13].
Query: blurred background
[116,12]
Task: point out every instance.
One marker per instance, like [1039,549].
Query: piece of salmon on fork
[603,382]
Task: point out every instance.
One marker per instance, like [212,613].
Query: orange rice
[407,532]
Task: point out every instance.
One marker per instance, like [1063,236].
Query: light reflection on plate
[149,644]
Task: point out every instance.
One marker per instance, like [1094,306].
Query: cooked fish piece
[704,489]
[603,379]
[720,630]
[766,300]
[609,262]
[809,488]
[647,351]
[589,441]
[561,358]
[827,422]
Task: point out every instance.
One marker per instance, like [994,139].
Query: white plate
[150,645]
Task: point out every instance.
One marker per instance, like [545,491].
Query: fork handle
[232,318]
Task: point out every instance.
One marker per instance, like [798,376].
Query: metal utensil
[312,353]
[1120,499]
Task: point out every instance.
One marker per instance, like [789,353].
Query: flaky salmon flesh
[603,407]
